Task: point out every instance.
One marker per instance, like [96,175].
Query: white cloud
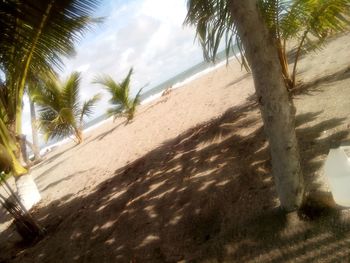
[145,34]
[83,68]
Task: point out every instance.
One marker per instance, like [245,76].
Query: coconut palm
[36,34]
[306,22]
[122,104]
[34,37]
[61,114]
[215,20]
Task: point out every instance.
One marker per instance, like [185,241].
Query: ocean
[177,81]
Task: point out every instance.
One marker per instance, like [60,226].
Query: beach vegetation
[218,20]
[303,25]
[35,36]
[37,41]
[308,23]
[61,113]
[121,102]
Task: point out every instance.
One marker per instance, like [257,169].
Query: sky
[147,35]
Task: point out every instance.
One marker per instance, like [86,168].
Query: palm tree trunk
[23,149]
[28,59]
[276,108]
[27,190]
[31,196]
[35,149]
[78,135]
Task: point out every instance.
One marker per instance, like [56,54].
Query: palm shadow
[106,133]
[206,195]
[309,87]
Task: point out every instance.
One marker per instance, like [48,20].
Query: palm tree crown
[61,113]
[122,104]
[302,20]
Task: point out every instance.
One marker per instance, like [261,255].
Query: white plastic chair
[337,170]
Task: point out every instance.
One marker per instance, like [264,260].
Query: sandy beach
[189,179]
[114,145]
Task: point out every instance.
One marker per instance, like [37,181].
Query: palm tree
[215,20]
[308,22]
[35,35]
[122,104]
[61,113]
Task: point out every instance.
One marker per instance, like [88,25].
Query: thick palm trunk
[35,148]
[276,108]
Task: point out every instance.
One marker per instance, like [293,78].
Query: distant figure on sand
[167,91]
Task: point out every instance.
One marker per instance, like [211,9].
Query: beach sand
[189,178]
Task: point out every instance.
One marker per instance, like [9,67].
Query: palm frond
[35,37]
[136,100]
[125,85]
[88,107]
[66,23]
[213,23]
[59,107]
[56,124]
[109,84]
[48,93]
[115,111]
[119,92]
[70,93]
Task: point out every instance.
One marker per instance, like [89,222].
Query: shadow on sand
[206,195]
[310,87]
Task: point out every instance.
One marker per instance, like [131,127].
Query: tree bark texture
[35,149]
[277,110]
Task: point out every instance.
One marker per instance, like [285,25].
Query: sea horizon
[178,81]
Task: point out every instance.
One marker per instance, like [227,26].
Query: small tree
[35,35]
[122,104]
[308,22]
[61,113]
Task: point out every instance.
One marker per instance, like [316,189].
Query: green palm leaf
[60,111]
[286,19]
[121,103]
[70,93]
[35,37]
[88,107]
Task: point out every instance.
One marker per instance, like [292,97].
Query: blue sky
[145,34]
